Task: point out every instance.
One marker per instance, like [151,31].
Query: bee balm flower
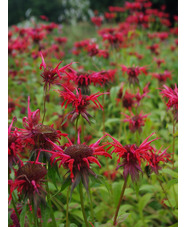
[78,159]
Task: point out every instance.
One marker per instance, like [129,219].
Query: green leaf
[101,180]
[52,170]
[45,214]
[22,216]
[174,225]
[117,186]
[143,201]
[170,172]
[113,94]
[172,182]
[66,183]
[147,188]
[122,218]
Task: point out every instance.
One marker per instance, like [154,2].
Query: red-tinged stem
[120,199]
[91,203]
[76,132]
[67,206]
[82,204]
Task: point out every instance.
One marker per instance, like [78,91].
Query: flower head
[78,159]
[29,181]
[133,73]
[49,74]
[172,95]
[135,121]
[162,77]
[155,157]
[128,100]
[97,21]
[79,102]
[132,156]
[14,146]
[37,133]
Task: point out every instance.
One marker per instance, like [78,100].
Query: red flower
[156,156]
[154,48]
[162,77]
[103,77]
[29,181]
[61,40]
[78,159]
[14,146]
[79,102]
[135,121]
[37,133]
[103,53]
[97,21]
[133,73]
[110,174]
[172,95]
[49,74]
[139,96]
[128,100]
[109,16]
[162,35]
[159,61]
[43,17]
[92,49]
[132,156]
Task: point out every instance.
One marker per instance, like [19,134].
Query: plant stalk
[120,199]
[173,149]
[91,203]
[44,98]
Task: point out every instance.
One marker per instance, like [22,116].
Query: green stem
[120,199]
[103,102]
[67,206]
[137,138]
[82,204]
[34,212]
[91,203]
[50,205]
[82,129]
[45,94]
